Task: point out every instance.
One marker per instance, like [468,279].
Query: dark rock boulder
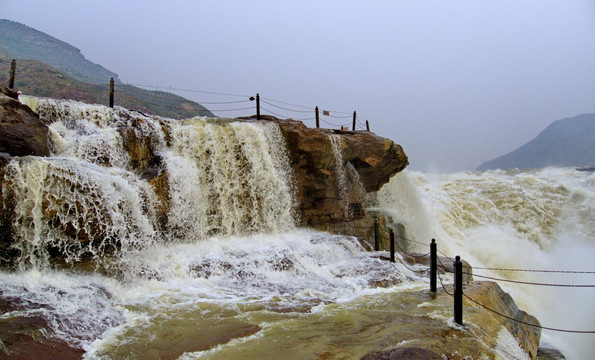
[404,354]
[21,131]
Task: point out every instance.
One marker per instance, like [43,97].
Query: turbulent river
[227,274]
[531,220]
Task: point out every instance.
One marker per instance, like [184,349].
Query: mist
[455,83]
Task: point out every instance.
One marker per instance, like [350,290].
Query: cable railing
[436,263]
[278,108]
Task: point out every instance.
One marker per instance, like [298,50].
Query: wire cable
[528,323]
[529,283]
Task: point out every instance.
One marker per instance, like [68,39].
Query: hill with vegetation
[565,142]
[52,68]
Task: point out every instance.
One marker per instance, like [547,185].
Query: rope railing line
[153,91]
[274,113]
[287,103]
[535,270]
[407,267]
[504,269]
[444,287]
[443,267]
[331,124]
[284,116]
[529,282]
[176,107]
[340,117]
[284,108]
[528,323]
[187,90]
[408,254]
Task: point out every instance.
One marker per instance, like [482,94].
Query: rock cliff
[21,131]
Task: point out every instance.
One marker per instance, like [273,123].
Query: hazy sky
[455,82]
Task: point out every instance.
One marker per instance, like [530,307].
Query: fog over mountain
[566,142]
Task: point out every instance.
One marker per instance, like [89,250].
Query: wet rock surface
[21,131]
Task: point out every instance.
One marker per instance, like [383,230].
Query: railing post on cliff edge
[354,118]
[392,245]
[13,70]
[111,93]
[257,106]
[433,266]
[376,242]
[458,309]
[317,118]
[367,125]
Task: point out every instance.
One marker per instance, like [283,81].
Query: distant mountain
[18,41]
[52,68]
[565,142]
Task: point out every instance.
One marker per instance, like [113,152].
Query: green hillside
[565,142]
[52,68]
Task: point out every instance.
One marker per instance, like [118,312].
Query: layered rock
[21,131]
[334,170]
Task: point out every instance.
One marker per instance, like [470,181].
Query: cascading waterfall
[140,231]
[540,219]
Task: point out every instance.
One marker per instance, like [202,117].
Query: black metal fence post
[433,266]
[367,125]
[392,245]
[317,118]
[376,240]
[354,119]
[458,290]
[111,93]
[13,70]
[257,106]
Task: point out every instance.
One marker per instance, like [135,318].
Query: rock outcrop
[420,325]
[21,131]
[333,171]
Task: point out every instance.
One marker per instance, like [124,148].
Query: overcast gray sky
[455,82]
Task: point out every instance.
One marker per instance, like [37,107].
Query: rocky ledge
[21,131]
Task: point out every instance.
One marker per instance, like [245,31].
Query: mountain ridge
[19,41]
[49,67]
[568,142]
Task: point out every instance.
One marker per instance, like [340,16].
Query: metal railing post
[458,305]
[392,245]
[257,106]
[433,266]
[376,240]
[111,93]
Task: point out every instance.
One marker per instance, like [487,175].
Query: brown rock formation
[21,131]
[334,169]
[417,323]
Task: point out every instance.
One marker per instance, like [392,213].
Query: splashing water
[140,233]
[541,219]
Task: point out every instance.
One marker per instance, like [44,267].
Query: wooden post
[458,309]
[317,118]
[354,117]
[257,106]
[13,70]
[111,93]
[433,266]
[376,240]
[367,125]
[392,245]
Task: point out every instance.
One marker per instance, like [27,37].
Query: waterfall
[119,181]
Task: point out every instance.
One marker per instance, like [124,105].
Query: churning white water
[129,263]
[144,237]
[537,219]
